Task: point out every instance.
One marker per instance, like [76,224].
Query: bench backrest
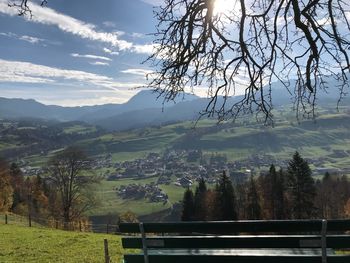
[257,234]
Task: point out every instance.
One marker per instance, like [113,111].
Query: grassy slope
[24,244]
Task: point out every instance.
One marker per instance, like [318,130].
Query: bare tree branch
[23,6]
[295,42]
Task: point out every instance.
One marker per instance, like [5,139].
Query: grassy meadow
[25,244]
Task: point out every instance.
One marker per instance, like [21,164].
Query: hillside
[118,156]
[327,139]
[98,114]
[24,244]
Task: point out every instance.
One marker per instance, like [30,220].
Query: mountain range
[144,109]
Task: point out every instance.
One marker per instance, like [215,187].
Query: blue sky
[81,52]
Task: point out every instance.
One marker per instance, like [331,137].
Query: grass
[174,192]
[24,244]
[111,203]
[5,145]
[79,129]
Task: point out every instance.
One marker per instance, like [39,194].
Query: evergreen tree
[188,206]
[301,187]
[225,203]
[273,193]
[279,192]
[253,205]
[273,185]
[200,207]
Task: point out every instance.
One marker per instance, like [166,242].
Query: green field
[110,203]
[79,129]
[24,244]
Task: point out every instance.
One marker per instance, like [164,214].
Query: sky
[74,53]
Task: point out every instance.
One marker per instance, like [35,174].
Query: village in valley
[183,168]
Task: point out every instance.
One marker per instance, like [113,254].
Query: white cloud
[109,24]
[30,39]
[137,71]
[76,55]
[67,95]
[138,35]
[109,51]
[26,72]
[76,27]
[143,49]
[154,2]
[118,33]
[99,63]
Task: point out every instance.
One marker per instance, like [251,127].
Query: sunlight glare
[224,7]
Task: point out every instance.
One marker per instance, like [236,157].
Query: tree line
[63,194]
[289,193]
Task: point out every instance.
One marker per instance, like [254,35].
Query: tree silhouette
[272,188]
[249,47]
[23,6]
[188,206]
[225,203]
[253,205]
[200,206]
[301,187]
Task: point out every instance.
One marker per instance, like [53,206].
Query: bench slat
[286,241]
[213,256]
[250,226]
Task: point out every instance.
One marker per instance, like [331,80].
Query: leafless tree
[256,42]
[68,175]
[23,6]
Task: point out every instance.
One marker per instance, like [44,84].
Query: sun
[224,7]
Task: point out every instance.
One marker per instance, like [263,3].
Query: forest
[290,193]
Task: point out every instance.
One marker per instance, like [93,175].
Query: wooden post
[79,225]
[5,219]
[106,251]
[30,220]
[56,224]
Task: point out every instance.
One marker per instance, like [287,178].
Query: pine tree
[225,199]
[273,193]
[188,206]
[280,204]
[301,187]
[200,207]
[253,205]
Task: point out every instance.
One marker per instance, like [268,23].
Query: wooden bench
[276,241]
